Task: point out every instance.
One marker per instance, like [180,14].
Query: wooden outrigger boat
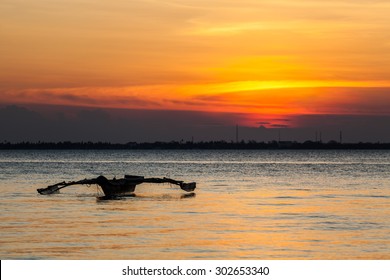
[117,187]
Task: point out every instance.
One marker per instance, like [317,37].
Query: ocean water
[277,204]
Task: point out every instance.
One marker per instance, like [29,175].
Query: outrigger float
[117,187]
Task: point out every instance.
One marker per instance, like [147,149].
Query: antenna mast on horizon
[237,133]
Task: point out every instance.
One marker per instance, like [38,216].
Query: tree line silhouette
[187,145]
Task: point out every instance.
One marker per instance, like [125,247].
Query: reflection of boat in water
[117,187]
[152,197]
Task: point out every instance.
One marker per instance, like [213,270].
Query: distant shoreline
[210,145]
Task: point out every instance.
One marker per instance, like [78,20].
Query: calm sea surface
[247,205]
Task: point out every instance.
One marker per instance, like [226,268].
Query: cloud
[275,123]
[279,126]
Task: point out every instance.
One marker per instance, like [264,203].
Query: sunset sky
[265,61]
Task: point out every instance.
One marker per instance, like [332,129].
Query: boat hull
[117,188]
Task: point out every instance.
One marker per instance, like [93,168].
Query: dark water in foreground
[248,204]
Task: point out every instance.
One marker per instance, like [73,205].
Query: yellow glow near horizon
[262,97]
[239,86]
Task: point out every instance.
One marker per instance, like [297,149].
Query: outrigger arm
[121,186]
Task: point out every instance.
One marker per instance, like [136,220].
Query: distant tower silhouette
[237,133]
[341,136]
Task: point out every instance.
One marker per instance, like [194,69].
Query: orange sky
[265,59]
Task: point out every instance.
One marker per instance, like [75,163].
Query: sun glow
[256,98]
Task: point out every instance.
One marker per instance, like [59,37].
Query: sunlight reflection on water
[248,204]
